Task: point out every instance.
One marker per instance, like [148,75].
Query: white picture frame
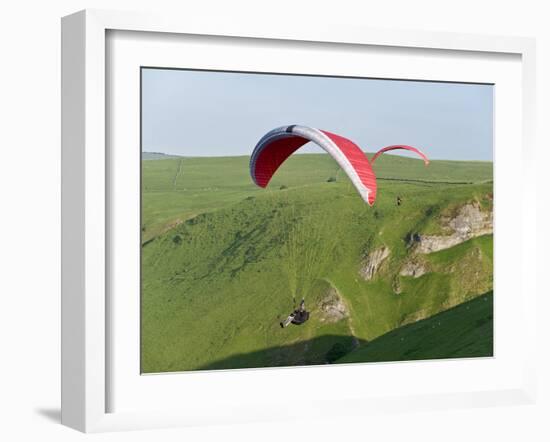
[87,205]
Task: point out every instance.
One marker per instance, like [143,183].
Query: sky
[199,113]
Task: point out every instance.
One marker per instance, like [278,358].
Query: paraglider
[278,144]
[402,147]
[297,317]
[271,152]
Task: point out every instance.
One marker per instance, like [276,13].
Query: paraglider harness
[297,317]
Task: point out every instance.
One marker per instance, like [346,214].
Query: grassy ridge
[177,189]
[216,269]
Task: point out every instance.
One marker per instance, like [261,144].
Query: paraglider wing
[278,144]
[404,147]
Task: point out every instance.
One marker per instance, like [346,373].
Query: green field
[222,260]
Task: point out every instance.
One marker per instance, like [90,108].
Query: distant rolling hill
[156,156]
[222,258]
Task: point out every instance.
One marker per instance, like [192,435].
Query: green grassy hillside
[465,331]
[223,259]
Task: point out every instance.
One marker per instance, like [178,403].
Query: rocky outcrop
[471,221]
[396,285]
[414,269]
[372,262]
[332,307]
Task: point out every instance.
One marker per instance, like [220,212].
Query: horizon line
[304,153]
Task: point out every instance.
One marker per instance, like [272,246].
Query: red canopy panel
[273,155]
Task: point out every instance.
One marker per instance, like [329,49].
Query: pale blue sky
[196,113]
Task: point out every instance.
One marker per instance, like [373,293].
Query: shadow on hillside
[317,351]
[463,331]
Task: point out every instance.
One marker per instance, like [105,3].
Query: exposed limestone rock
[414,269]
[470,222]
[471,219]
[332,307]
[396,285]
[372,262]
[429,244]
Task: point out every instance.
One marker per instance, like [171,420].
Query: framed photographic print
[366,254]
[266,223]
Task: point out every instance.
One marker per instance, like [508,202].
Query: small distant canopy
[278,144]
[402,147]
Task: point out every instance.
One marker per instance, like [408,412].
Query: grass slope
[177,189]
[460,332]
[222,259]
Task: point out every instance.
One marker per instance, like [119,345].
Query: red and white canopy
[401,147]
[278,144]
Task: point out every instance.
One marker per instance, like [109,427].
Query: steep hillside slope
[216,282]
